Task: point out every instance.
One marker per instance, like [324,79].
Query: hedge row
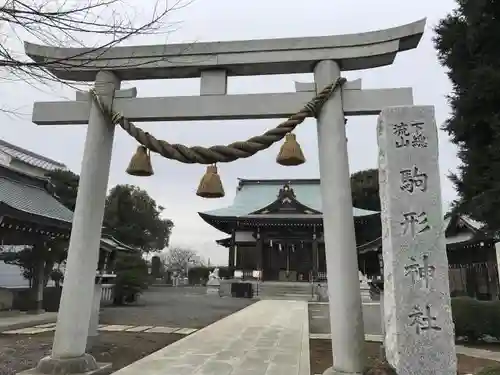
[475,319]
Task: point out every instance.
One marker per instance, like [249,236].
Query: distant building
[28,211]
[25,161]
[276,227]
[32,164]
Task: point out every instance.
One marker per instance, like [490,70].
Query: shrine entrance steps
[285,290]
[265,338]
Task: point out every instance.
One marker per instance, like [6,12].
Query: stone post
[419,336]
[315,257]
[346,319]
[68,351]
[497,253]
[382,326]
[94,316]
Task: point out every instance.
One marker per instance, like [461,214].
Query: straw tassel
[140,164]
[290,153]
[210,185]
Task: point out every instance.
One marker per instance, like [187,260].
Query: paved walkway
[266,338]
[41,328]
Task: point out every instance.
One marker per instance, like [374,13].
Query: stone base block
[84,365]
[331,371]
[35,312]
[213,290]
[366,295]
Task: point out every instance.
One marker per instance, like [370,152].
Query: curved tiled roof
[33,200]
[30,157]
[253,195]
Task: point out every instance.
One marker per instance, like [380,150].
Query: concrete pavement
[266,338]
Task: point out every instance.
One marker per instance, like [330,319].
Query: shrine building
[276,227]
[30,214]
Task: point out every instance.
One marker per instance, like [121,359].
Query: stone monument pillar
[419,328]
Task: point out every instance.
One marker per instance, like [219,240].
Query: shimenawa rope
[221,153]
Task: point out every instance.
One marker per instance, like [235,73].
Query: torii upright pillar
[346,318]
[213,62]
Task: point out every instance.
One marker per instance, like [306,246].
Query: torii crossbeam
[217,106]
[213,62]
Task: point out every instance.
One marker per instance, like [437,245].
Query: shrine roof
[109,243]
[252,195]
[29,157]
[32,199]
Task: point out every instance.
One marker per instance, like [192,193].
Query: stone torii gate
[325,56]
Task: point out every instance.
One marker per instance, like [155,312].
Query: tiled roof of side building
[33,200]
[252,195]
[30,157]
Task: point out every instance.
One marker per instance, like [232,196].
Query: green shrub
[198,275]
[131,277]
[57,276]
[474,319]
[225,273]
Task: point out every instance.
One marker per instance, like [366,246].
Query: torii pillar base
[84,365]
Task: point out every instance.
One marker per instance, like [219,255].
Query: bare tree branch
[95,24]
[179,259]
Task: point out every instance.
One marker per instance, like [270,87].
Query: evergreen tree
[365,190]
[134,218]
[467,42]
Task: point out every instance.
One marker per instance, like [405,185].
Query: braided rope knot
[222,153]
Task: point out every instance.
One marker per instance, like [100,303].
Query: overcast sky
[173,185]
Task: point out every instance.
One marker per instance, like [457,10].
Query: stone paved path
[266,338]
[103,327]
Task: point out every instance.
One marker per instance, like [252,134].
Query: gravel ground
[18,353]
[188,307]
[319,318]
[321,358]
[183,307]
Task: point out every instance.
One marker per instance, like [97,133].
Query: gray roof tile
[253,196]
[33,200]
[30,157]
